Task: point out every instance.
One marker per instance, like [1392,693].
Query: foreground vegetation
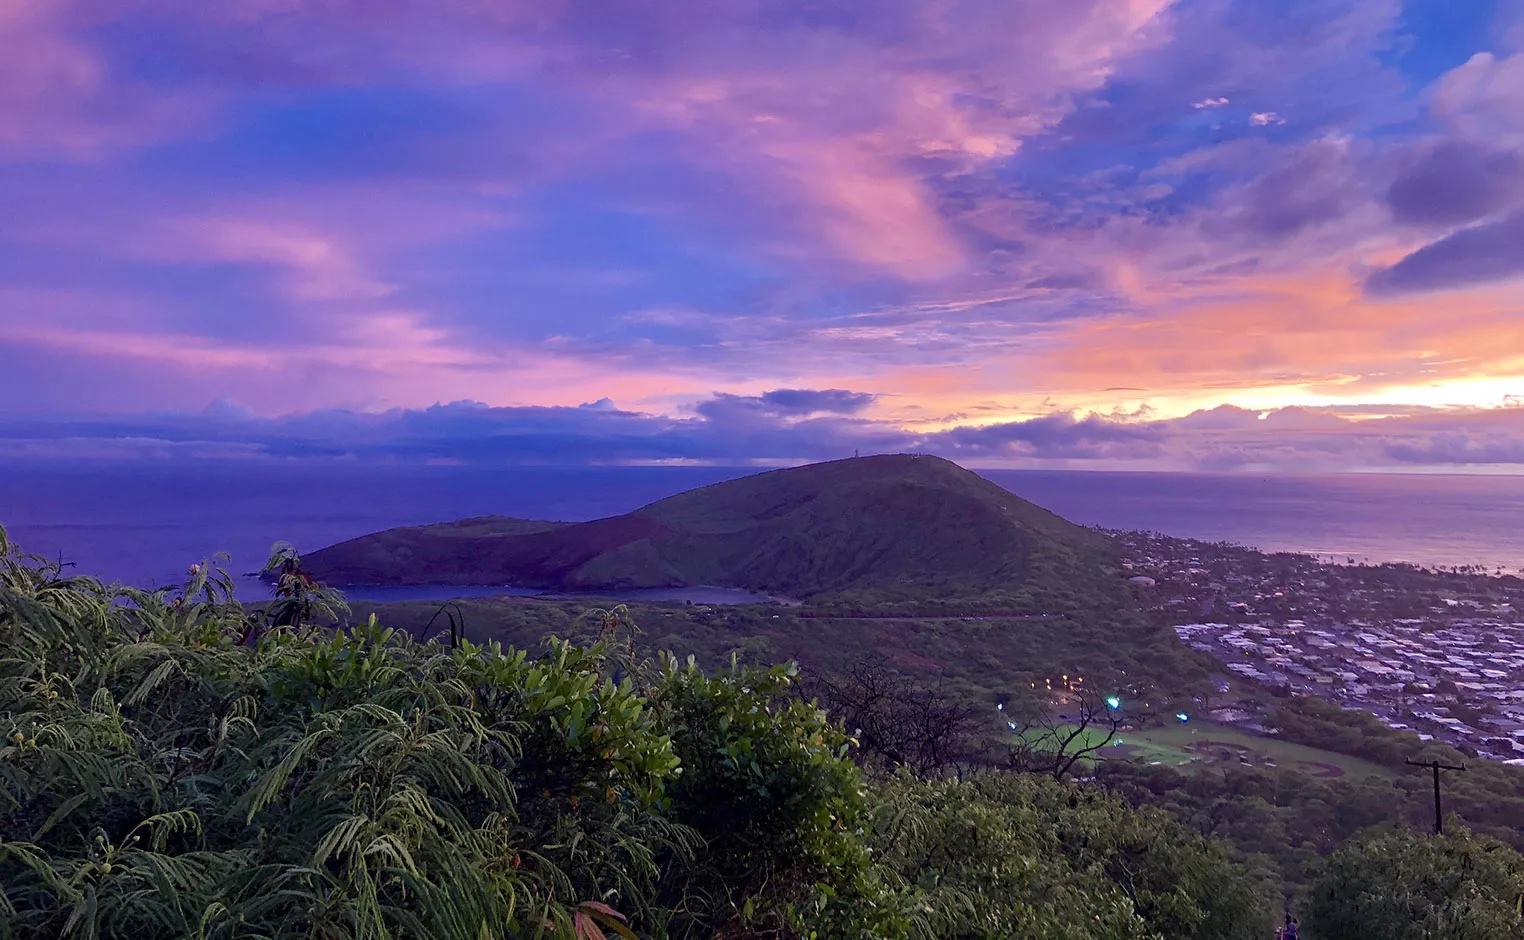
[174,764]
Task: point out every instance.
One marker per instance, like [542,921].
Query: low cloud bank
[794,425]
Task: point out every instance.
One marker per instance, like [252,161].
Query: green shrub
[1406,885]
[1012,855]
[173,764]
[767,782]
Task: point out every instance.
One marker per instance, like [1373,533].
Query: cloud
[797,425]
[1483,99]
[985,207]
[1458,447]
[1311,185]
[1221,418]
[1054,436]
[59,97]
[1472,173]
[784,403]
[783,424]
[1493,251]
[805,401]
[1456,181]
[779,425]
[1063,282]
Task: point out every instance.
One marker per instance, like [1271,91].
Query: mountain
[896,525]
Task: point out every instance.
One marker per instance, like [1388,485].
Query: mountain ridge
[901,525]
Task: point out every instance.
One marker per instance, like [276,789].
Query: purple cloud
[743,430]
[1458,447]
[785,403]
[1055,436]
[346,207]
[1315,184]
[806,401]
[1457,181]
[1493,251]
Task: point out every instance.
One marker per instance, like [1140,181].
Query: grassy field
[1206,743]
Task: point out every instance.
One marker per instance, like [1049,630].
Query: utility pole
[1436,766]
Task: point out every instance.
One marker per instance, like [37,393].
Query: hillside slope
[901,526]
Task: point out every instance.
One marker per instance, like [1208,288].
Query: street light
[1113,702]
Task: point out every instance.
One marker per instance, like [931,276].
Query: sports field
[1207,744]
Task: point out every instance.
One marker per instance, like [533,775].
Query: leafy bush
[1403,885]
[767,781]
[173,764]
[311,784]
[1009,855]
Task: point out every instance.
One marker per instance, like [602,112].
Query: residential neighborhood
[1439,652]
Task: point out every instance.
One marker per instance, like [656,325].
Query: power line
[1436,766]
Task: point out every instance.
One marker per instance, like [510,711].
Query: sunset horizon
[762,469]
[1219,235]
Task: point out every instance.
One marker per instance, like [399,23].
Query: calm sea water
[144,524]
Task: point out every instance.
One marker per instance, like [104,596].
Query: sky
[1235,235]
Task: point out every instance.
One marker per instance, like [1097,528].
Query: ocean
[144,524]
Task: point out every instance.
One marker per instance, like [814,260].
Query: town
[1439,652]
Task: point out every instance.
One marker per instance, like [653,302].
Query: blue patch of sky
[150,50]
[1438,35]
[575,267]
[354,134]
[840,18]
[819,301]
[1085,176]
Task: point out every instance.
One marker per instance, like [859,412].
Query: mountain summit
[898,526]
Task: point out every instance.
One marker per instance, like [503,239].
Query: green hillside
[891,527]
[176,766]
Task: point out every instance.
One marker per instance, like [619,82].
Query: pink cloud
[880,144]
[187,351]
[317,266]
[1484,98]
[847,132]
[840,128]
[58,97]
[377,357]
[763,103]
